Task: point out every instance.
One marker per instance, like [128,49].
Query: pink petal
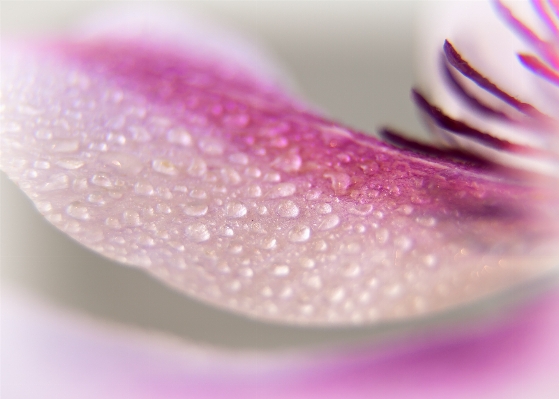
[48,354]
[192,165]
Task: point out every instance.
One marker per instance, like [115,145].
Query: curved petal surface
[162,155]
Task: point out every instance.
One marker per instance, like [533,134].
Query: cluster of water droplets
[260,230]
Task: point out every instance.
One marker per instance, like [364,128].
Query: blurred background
[354,60]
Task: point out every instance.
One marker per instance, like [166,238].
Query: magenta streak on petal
[535,65]
[231,191]
[548,51]
[147,70]
[456,60]
[542,8]
[470,99]
[463,129]
[515,357]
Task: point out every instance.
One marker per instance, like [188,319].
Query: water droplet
[329,222]
[101,180]
[230,176]
[179,136]
[288,162]
[78,211]
[164,166]
[56,182]
[211,146]
[43,134]
[139,134]
[299,233]
[430,260]
[226,231]
[124,163]
[282,190]
[269,243]
[382,236]
[41,165]
[314,282]
[404,243]
[272,177]
[65,146]
[288,209]
[253,191]
[307,263]
[246,272]
[198,193]
[324,208]
[195,209]
[197,167]
[253,171]
[116,138]
[163,208]
[340,181]
[239,158]
[131,218]
[198,232]
[361,209]
[406,209]
[337,295]
[235,210]
[281,271]
[43,206]
[70,164]
[351,271]
[267,292]
[426,221]
[143,188]
[393,290]
[145,240]
[96,199]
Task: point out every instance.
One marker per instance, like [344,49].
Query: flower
[186,160]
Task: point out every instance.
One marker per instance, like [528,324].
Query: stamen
[545,15]
[451,154]
[537,66]
[462,129]
[456,60]
[470,99]
[546,50]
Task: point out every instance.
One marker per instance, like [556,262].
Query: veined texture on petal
[215,180]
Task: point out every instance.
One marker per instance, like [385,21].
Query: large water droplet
[340,181]
[70,164]
[281,271]
[195,209]
[143,188]
[101,180]
[287,209]
[131,218]
[197,167]
[78,211]
[164,166]
[65,146]
[299,233]
[282,190]
[288,162]
[198,232]
[235,210]
[329,222]
[179,136]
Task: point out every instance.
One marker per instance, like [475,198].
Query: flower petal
[191,165]
[49,354]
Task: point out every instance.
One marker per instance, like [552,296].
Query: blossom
[183,158]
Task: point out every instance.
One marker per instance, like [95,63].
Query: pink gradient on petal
[515,357]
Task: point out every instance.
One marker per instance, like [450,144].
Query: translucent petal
[50,354]
[166,156]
